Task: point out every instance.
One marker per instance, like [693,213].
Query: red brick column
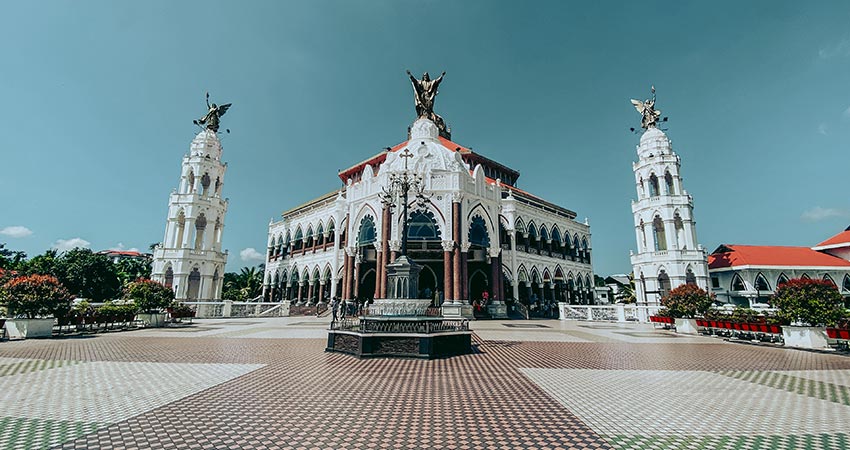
[464,271]
[457,292]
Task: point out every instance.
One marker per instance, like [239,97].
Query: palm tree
[245,285]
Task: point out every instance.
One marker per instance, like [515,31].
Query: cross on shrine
[406,154]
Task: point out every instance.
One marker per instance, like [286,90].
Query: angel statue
[647,110]
[424,92]
[214,113]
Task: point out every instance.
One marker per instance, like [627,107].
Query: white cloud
[822,129]
[64,245]
[817,214]
[120,248]
[16,231]
[840,49]
[251,254]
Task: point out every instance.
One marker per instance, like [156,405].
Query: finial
[649,115]
[210,120]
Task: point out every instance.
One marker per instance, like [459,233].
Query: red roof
[839,240]
[771,255]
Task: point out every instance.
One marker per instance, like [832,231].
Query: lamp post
[403,274]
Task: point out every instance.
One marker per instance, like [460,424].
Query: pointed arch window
[668,180]
[805,276]
[663,283]
[422,226]
[690,278]
[781,280]
[761,283]
[845,285]
[826,277]
[738,283]
[660,236]
[653,186]
[366,235]
[478,233]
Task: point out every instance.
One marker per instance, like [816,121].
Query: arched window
[190,187]
[826,277]
[660,236]
[690,278]
[422,226]
[320,235]
[366,235]
[181,227]
[845,285]
[653,186]
[781,280]
[532,235]
[478,232]
[308,238]
[217,186]
[193,289]
[544,236]
[738,283]
[668,180]
[200,227]
[805,276]
[205,184]
[169,277]
[663,283]
[680,231]
[299,239]
[761,283]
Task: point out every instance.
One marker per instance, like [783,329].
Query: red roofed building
[475,232]
[748,274]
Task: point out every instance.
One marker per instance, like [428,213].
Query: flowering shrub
[34,296]
[687,301]
[811,302]
[149,296]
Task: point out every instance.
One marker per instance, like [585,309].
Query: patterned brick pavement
[267,384]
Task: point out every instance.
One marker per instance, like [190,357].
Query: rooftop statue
[647,110]
[424,93]
[211,119]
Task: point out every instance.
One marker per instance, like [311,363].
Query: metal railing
[227,308]
[366,325]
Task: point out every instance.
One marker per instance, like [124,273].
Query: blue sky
[98,100]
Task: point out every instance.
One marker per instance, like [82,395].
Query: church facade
[477,235]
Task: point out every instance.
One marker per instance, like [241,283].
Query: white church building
[476,234]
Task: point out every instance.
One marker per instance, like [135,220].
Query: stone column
[310,291]
[395,248]
[385,249]
[495,276]
[356,277]
[457,293]
[448,290]
[300,286]
[464,271]
[321,291]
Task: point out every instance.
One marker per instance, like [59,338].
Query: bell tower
[190,259]
[668,253]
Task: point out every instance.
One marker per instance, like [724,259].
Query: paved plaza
[267,384]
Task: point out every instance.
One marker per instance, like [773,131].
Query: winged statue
[646,108]
[214,112]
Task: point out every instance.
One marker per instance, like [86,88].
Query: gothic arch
[826,277]
[316,275]
[479,210]
[519,225]
[422,225]
[738,283]
[522,274]
[478,232]
[761,283]
[845,284]
[326,274]
[781,279]
[535,276]
[366,231]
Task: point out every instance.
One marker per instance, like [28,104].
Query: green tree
[45,264]
[811,302]
[687,301]
[131,269]
[148,295]
[11,259]
[245,285]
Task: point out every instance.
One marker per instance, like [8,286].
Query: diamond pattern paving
[523,388]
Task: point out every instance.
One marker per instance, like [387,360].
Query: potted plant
[808,306]
[180,311]
[684,304]
[150,298]
[32,302]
